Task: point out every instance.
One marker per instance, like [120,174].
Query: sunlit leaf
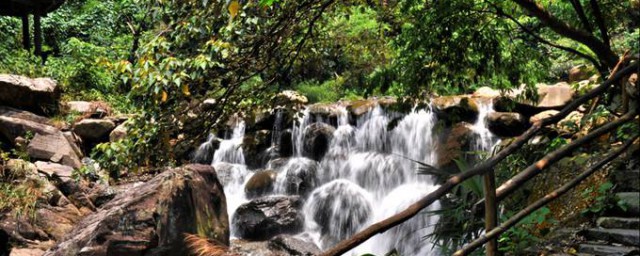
[164,96]
[185,90]
[234,7]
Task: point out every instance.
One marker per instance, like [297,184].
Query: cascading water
[364,176]
[485,140]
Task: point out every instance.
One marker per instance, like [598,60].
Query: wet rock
[301,176]
[261,183]
[453,109]
[93,129]
[507,124]
[267,217]
[204,153]
[285,145]
[254,146]
[154,216]
[360,107]
[293,246]
[277,163]
[288,98]
[39,95]
[457,142]
[316,140]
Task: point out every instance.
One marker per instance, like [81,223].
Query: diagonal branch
[481,168]
[494,233]
[577,6]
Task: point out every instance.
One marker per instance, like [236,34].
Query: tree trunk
[490,211]
[26,36]
[37,34]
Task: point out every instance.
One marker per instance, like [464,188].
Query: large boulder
[277,246]
[457,141]
[453,109]
[267,217]
[316,140]
[486,92]
[39,95]
[48,143]
[153,218]
[507,124]
[549,97]
[301,176]
[94,129]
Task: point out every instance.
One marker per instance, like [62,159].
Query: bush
[319,92]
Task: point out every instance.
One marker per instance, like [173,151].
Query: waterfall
[365,175]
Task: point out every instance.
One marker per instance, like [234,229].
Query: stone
[627,180]
[457,142]
[26,252]
[453,109]
[554,96]
[316,140]
[486,92]
[153,217]
[55,148]
[55,171]
[632,202]
[549,97]
[617,222]
[16,123]
[81,107]
[301,176]
[118,133]
[360,107]
[610,250]
[542,115]
[290,98]
[577,73]
[254,146]
[38,95]
[293,246]
[622,236]
[506,124]
[266,217]
[261,183]
[93,129]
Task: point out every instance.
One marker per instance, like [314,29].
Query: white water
[363,178]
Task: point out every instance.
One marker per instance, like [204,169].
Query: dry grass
[199,246]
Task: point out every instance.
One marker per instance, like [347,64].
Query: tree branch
[481,168]
[601,49]
[494,233]
[577,6]
[602,26]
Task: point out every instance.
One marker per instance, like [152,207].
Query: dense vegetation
[159,59]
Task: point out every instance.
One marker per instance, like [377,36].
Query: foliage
[518,238]
[602,199]
[325,92]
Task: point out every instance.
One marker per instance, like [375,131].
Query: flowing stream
[364,176]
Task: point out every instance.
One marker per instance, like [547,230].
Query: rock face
[267,217]
[48,142]
[153,217]
[317,138]
[120,132]
[454,109]
[93,129]
[549,97]
[39,95]
[457,142]
[507,124]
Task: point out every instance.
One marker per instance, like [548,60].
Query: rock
[506,124]
[261,183]
[486,92]
[81,107]
[616,222]
[457,142]
[267,217]
[542,115]
[360,107]
[53,170]
[53,147]
[153,217]
[301,176]
[455,109]
[285,145]
[554,96]
[289,98]
[610,250]
[57,221]
[26,252]
[316,140]
[18,169]
[39,95]
[549,97]
[16,123]
[93,129]
[623,236]
[627,180]
[254,146]
[278,163]
[577,73]
[120,132]
[632,202]
[294,246]
[204,153]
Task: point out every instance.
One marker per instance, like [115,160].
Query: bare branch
[602,26]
